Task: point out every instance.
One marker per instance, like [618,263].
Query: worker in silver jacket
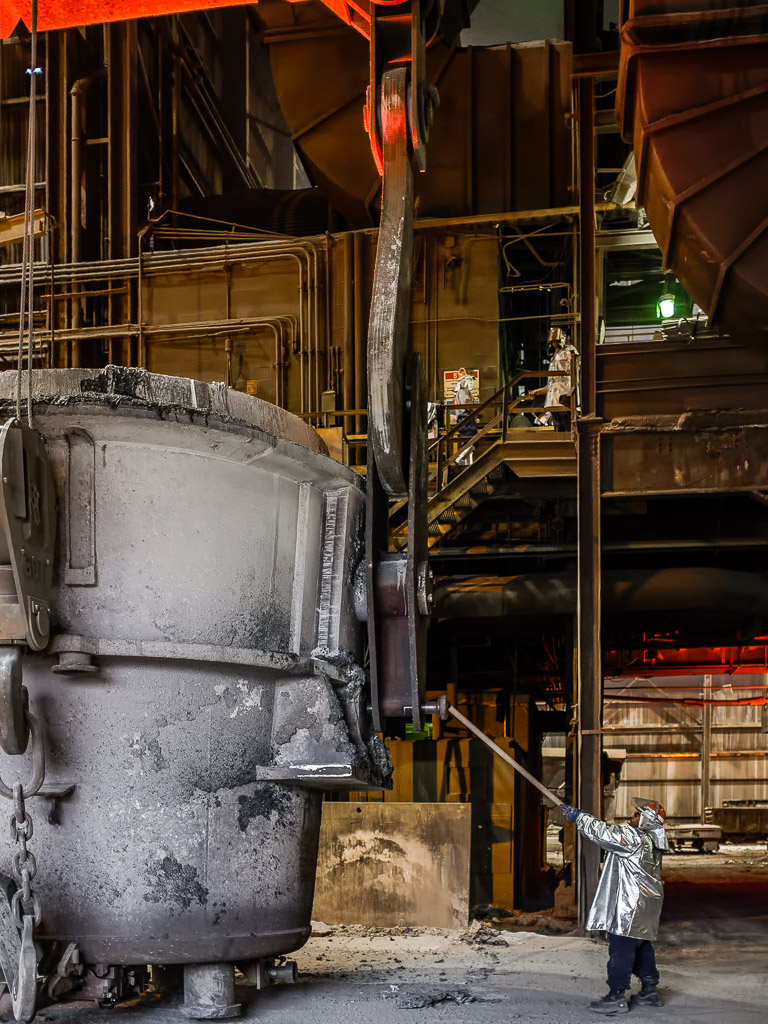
[627,904]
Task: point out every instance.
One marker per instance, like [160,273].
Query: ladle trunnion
[201,685]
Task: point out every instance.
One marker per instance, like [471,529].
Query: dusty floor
[713,956]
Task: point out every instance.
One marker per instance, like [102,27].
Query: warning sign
[457,381]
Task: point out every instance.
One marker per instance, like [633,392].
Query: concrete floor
[712,953]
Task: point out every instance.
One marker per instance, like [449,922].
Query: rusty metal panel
[676,782]
[697,455]
[668,743]
[407,864]
[666,376]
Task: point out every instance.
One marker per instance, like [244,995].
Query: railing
[439,452]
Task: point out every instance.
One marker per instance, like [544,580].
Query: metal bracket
[398,586]
[67,974]
[399,32]
[27,535]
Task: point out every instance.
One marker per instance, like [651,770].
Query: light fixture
[665,307]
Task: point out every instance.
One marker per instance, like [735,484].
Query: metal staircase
[528,453]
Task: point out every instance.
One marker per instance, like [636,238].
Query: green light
[666,306]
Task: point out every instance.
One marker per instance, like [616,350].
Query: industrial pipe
[348,323]
[361,362]
[77,94]
[304,254]
[631,590]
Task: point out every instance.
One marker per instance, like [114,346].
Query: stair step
[480,490]
[450,515]
[467,502]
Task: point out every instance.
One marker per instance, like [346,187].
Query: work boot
[647,996]
[614,1002]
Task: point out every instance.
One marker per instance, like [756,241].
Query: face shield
[652,816]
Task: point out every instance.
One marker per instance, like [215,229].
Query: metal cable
[26,304]
[23,296]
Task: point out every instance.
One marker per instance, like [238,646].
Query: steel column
[589,644]
[121,49]
[348,337]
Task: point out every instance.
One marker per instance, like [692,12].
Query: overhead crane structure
[280,647]
[656,431]
[398,113]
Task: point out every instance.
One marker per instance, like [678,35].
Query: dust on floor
[479,976]
[711,973]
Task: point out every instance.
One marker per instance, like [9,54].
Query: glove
[570,813]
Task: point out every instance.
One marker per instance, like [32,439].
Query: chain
[25,901]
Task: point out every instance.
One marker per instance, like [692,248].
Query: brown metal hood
[693,100]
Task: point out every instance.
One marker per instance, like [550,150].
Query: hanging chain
[25,901]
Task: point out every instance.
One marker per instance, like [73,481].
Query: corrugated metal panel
[664,743]
[675,781]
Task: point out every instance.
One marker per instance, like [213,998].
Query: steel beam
[701,459]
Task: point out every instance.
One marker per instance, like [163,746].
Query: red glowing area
[688,660]
[52,14]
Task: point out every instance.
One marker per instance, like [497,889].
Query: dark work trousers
[627,957]
[561,421]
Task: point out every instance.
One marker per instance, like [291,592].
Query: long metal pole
[505,757]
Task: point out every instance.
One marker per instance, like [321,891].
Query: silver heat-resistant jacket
[630,891]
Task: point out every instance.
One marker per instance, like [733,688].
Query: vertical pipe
[75,199]
[140,354]
[587,252]
[280,350]
[434,314]
[317,332]
[160,122]
[175,111]
[706,747]
[228,316]
[469,127]
[509,93]
[361,398]
[348,324]
[77,96]
[51,290]
[590,671]
[327,355]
